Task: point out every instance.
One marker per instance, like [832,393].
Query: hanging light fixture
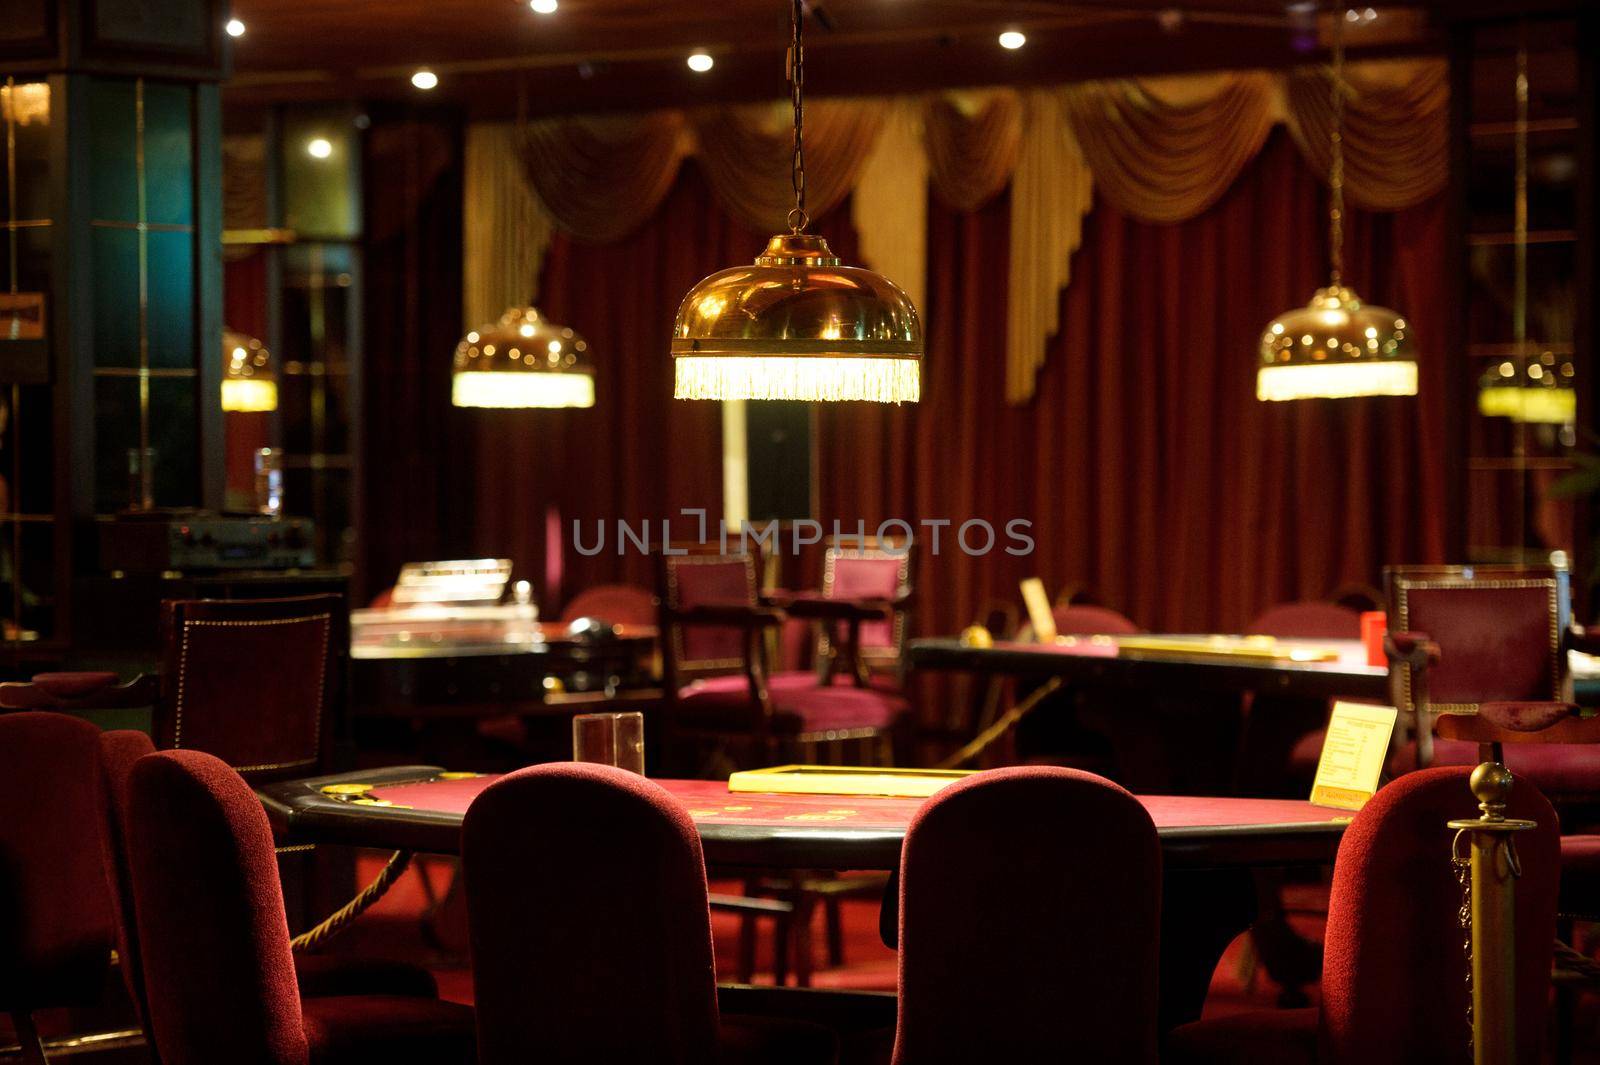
[248,383]
[798,324]
[1336,346]
[1528,390]
[522,360]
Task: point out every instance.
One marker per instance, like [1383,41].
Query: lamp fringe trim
[873,379]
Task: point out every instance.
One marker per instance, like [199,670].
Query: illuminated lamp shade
[248,383]
[797,325]
[1335,347]
[522,361]
[1544,395]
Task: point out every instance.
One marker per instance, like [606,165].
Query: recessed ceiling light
[543,7]
[425,79]
[319,147]
[235,28]
[1012,40]
[699,62]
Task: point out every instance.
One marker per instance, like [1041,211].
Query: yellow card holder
[1353,755]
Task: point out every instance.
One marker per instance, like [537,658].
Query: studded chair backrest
[705,579]
[870,572]
[598,874]
[252,681]
[1498,629]
[1030,904]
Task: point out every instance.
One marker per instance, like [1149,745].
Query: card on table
[1353,755]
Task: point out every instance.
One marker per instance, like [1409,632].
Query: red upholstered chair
[315,974]
[620,604]
[55,916]
[1393,975]
[252,681]
[868,642]
[1030,902]
[596,875]
[719,685]
[1461,636]
[214,941]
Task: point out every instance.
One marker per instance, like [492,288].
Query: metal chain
[1336,142]
[797,65]
[1463,871]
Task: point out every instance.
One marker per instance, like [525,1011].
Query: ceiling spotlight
[234,27]
[543,7]
[425,79]
[700,62]
[1011,40]
[319,147]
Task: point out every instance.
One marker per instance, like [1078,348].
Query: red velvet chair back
[850,572]
[1085,620]
[55,914]
[1030,903]
[620,604]
[118,753]
[692,580]
[252,681]
[1308,620]
[211,925]
[591,935]
[1393,975]
[1498,629]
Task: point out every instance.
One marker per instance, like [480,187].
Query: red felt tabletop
[710,802]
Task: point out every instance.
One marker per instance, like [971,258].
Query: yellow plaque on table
[845,780]
[1353,755]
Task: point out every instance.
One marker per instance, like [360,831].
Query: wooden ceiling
[498,56]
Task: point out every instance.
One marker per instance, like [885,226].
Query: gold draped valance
[972,142]
[747,153]
[600,178]
[1159,150]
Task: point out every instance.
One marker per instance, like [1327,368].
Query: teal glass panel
[171,294]
[169,153]
[175,434]
[116,429]
[32,158]
[114,173]
[116,295]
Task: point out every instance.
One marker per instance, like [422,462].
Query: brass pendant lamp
[1535,390]
[797,324]
[522,361]
[248,383]
[1336,345]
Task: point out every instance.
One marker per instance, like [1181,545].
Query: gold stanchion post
[1488,911]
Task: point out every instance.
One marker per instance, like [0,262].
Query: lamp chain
[797,62]
[1336,166]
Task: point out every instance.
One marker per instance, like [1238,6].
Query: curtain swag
[1159,150]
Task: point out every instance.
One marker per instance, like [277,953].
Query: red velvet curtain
[1151,473]
[1148,469]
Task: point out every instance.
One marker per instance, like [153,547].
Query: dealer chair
[612,908]
[720,688]
[55,916]
[214,942]
[315,974]
[619,604]
[1030,903]
[1394,976]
